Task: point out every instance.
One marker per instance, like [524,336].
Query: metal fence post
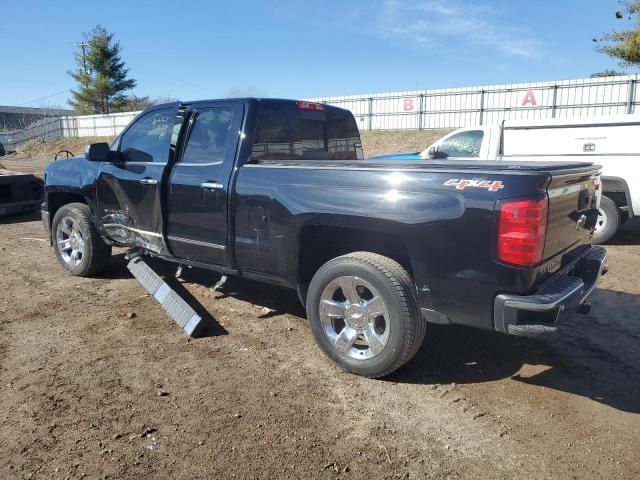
[554,104]
[482,92]
[370,113]
[420,111]
[632,94]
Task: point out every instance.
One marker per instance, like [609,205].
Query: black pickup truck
[279,191]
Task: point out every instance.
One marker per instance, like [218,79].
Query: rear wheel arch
[317,244]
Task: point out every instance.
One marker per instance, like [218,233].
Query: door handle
[212,186]
[148,181]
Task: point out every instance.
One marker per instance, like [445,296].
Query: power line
[43,98]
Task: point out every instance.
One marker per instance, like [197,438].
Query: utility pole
[83,46]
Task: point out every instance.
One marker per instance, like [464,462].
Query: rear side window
[298,134]
[209,136]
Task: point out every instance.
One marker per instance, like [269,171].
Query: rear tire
[364,313]
[608,221]
[77,243]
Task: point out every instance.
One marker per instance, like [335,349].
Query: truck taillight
[521,231]
[311,106]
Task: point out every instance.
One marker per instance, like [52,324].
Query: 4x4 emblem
[461,184]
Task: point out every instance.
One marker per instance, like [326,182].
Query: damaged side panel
[130,188]
[130,203]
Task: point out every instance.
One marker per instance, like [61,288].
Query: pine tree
[101,75]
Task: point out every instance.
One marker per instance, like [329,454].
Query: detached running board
[173,304]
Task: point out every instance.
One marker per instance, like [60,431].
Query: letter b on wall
[407,104]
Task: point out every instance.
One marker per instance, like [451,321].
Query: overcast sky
[193,49]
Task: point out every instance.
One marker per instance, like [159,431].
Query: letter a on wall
[529,99]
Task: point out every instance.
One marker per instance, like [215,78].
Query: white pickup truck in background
[613,142]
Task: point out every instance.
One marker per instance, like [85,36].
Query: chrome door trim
[197,242]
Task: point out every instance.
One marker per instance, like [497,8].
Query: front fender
[70,180]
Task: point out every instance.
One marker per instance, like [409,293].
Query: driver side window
[463,144]
[148,139]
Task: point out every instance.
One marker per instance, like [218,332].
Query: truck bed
[423,203]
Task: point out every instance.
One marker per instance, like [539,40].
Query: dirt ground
[97,382]
[383,142]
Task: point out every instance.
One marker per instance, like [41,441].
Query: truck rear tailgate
[573,210]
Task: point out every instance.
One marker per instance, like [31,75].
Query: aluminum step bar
[173,304]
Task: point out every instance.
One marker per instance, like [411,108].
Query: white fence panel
[437,108]
[459,107]
[108,125]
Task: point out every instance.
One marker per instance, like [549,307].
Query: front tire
[77,243]
[364,313]
[608,221]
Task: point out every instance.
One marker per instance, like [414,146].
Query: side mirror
[434,154]
[97,152]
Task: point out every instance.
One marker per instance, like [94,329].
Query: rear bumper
[540,312]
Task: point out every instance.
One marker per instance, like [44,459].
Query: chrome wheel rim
[354,318]
[70,241]
[601,223]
